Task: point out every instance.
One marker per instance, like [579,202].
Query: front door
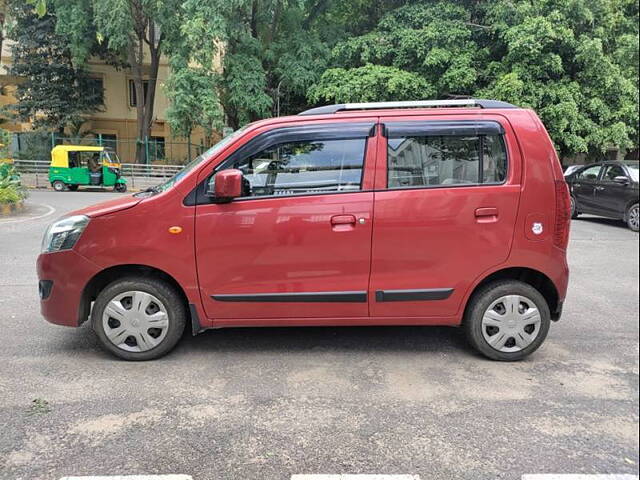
[445,215]
[611,196]
[297,244]
[584,188]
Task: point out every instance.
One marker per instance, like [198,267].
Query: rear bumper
[63,276]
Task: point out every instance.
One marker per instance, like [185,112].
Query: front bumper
[63,276]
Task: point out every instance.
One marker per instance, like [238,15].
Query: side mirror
[226,185]
[622,180]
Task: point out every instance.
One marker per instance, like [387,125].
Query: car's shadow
[437,340]
[326,339]
[602,221]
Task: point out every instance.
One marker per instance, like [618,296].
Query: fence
[155,150]
[35,173]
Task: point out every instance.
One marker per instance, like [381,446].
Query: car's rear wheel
[633,218]
[59,186]
[139,318]
[574,208]
[507,320]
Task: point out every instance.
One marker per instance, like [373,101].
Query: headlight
[63,234]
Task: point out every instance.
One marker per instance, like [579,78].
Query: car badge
[537,228]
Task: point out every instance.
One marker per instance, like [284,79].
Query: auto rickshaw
[75,165]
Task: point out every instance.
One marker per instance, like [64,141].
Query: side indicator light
[175,230]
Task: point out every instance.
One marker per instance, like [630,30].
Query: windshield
[633,170]
[196,161]
[111,157]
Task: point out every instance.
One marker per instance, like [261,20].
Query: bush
[11,191]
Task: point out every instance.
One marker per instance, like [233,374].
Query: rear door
[445,210]
[297,244]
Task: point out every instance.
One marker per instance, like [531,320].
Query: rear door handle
[599,189]
[486,215]
[487,212]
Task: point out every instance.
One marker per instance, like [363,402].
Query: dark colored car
[608,189]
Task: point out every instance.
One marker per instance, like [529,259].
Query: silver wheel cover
[511,323]
[135,321]
[634,217]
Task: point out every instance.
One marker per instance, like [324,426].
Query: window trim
[446,129]
[439,128]
[328,131]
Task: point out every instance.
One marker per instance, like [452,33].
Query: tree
[271,55]
[575,62]
[54,93]
[134,32]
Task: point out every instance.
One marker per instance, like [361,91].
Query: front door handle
[486,214]
[343,220]
[599,189]
[343,223]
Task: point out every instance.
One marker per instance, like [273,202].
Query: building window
[110,141]
[96,85]
[133,98]
[156,149]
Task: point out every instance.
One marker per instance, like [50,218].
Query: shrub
[11,191]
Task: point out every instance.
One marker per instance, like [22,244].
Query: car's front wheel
[633,218]
[120,187]
[139,318]
[507,320]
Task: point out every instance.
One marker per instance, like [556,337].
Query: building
[115,125]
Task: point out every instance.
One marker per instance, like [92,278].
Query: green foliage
[11,191]
[370,83]
[575,62]
[55,93]
[193,101]
[271,53]
[5,143]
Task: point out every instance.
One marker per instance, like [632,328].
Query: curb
[7,209]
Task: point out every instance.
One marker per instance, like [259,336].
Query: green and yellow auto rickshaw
[75,165]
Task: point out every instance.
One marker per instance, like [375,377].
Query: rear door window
[439,154]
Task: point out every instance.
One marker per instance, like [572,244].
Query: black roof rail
[457,102]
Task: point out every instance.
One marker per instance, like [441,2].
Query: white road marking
[572,476]
[351,476]
[27,219]
[133,477]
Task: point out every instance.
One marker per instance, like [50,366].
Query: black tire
[120,187]
[482,300]
[631,217]
[574,208]
[165,293]
[59,186]
[73,188]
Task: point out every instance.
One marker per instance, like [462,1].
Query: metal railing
[35,173]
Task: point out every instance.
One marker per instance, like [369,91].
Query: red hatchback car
[448,212]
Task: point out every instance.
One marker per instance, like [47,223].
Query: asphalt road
[268,403]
